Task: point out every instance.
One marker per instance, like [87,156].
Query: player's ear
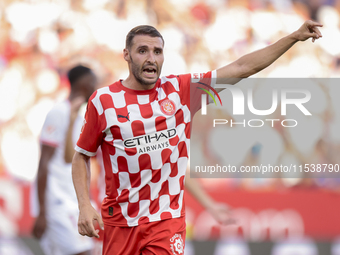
[126,54]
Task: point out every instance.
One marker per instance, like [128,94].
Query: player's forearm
[41,187]
[47,153]
[81,176]
[194,187]
[260,59]
[69,148]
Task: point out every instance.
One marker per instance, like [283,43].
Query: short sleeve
[91,132]
[52,132]
[190,84]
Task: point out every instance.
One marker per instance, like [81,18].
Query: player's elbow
[247,66]
[247,70]
[78,158]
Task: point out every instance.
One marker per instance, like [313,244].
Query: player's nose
[151,58]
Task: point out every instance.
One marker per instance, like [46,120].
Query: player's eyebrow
[142,46]
[160,49]
[147,47]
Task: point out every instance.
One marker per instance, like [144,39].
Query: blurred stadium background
[41,39]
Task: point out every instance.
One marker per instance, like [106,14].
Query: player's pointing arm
[258,60]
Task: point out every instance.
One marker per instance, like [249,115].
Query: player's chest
[155,120]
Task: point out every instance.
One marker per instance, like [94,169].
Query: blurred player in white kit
[56,202]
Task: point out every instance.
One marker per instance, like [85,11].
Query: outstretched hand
[309,29]
[87,216]
[222,213]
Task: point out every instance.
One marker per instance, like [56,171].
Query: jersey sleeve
[52,133]
[193,85]
[91,132]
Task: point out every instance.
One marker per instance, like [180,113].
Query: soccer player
[142,124]
[56,222]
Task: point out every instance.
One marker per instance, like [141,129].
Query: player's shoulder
[175,76]
[188,77]
[175,80]
[109,89]
[60,108]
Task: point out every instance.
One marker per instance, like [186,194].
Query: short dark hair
[76,72]
[141,30]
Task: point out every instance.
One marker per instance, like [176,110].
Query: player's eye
[142,51]
[157,52]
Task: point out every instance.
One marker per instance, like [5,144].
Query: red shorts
[162,237]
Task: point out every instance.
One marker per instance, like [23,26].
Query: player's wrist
[84,204]
[73,117]
[42,212]
[209,204]
[295,36]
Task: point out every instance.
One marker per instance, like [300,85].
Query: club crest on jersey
[176,244]
[168,107]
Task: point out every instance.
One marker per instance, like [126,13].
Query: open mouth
[149,71]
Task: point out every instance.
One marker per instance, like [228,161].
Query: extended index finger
[90,230]
[314,23]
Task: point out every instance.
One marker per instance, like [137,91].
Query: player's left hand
[222,213]
[75,106]
[39,226]
[87,216]
[309,29]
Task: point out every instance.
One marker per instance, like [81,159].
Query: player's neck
[131,83]
[74,95]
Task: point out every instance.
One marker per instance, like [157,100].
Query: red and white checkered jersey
[144,136]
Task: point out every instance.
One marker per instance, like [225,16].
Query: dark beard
[135,72]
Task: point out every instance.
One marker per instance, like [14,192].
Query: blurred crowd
[40,40]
